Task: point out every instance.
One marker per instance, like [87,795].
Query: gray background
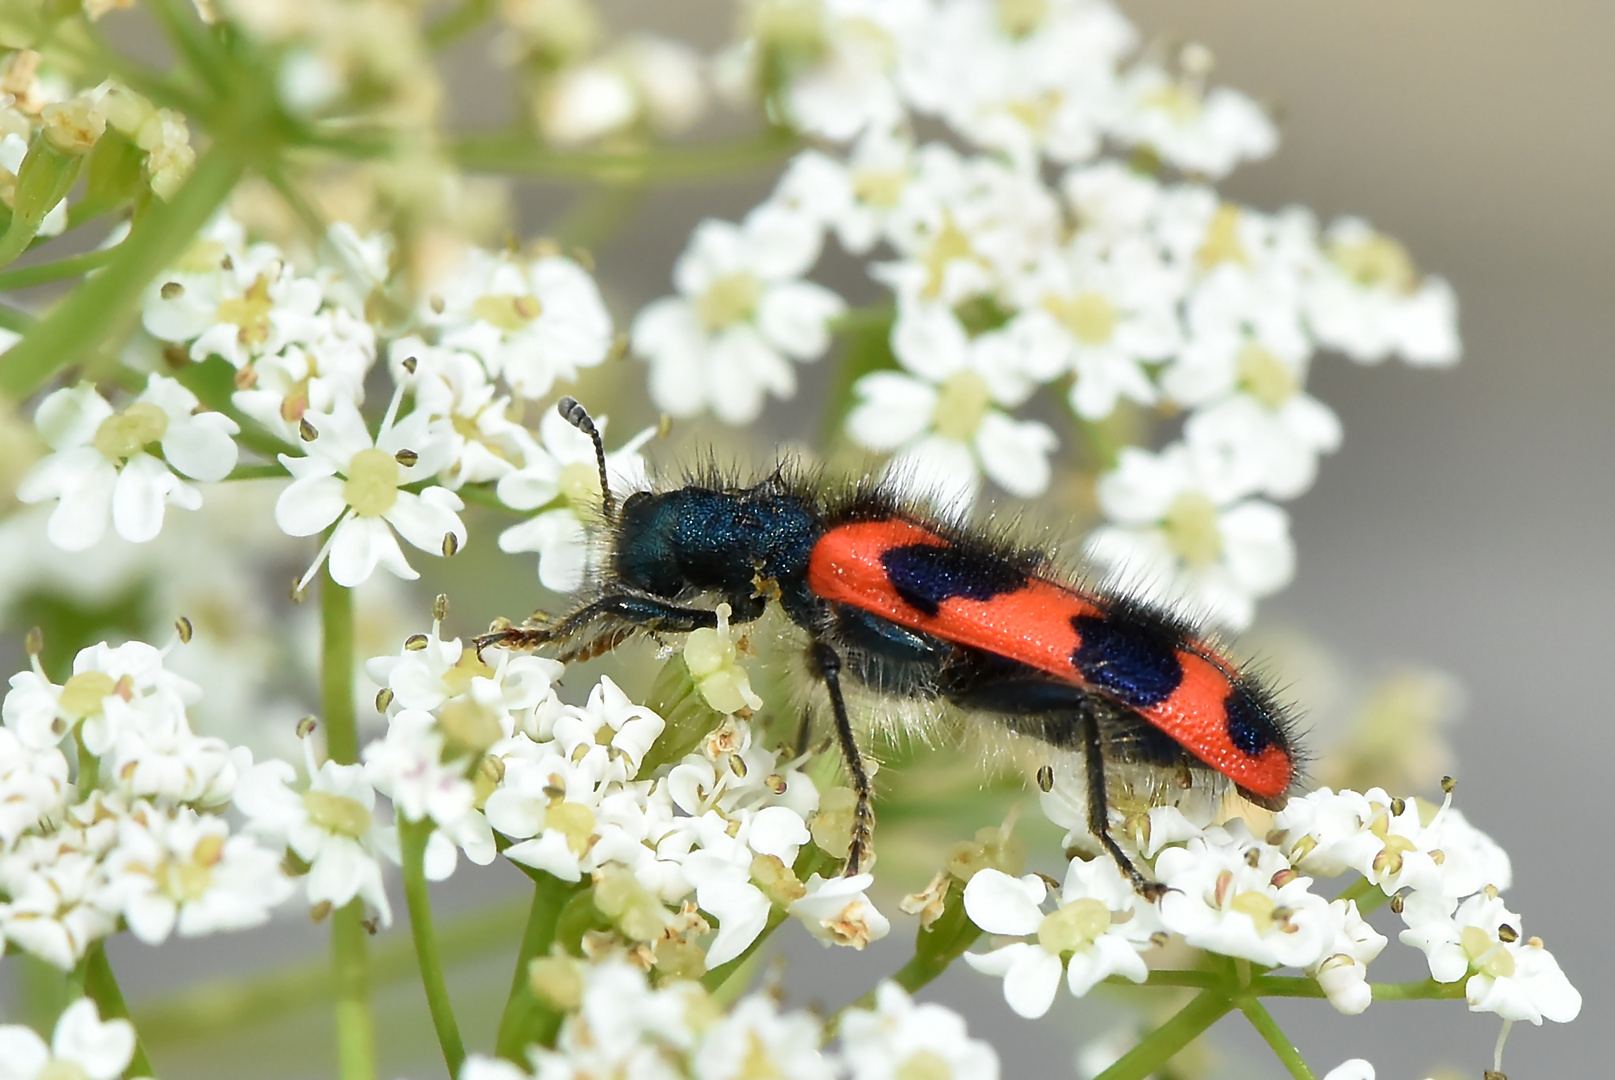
[1466,522]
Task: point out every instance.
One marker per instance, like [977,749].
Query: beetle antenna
[576,415]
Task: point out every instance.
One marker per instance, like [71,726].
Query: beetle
[913,605]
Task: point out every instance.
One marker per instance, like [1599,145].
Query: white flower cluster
[483,747]
[620,1026]
[1252,898]
[82,1045]
[137,839]
[1116,286]
[498,328]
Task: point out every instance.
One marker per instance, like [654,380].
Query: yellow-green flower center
[469,725]
[1259,906]
[507,311]
[731,299]
[190,880]
[1265,377]
[249,311]
[1377,262]
[576,823]
[1022,17]
[1222,240]
[1492,958]
[949,243]
[337,813]
[57,1069]
[1191,528]
[964,400]
[879,187]
[84,693]
[469,666]
[372,484]
[1074,927]
[1178,101]
[924,1065]
[580,483]
[123,435]
[1090,317]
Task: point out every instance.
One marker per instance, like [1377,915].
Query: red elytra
[1033,625]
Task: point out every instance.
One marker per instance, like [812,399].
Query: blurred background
[1466,524]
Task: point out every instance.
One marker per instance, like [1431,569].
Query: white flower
[1097,931]
[837,912]
[851,87]
[1101,311]
[1224,899]
[1384,839]
[103,467]
[330,825]
[1514,977]
[412,766]
[454,386]
[354,481]
[941,421]
[852,198]
[184,871]
[81,1046]
[1206,133]
[1343,974]
[532,322]
[1352,1069]
[228,300]
[1182,533]
[561,465]
[309,375]
[1368,301]
[107,682]
[900,1038]
[755,1039]
[33,786]
[742,315]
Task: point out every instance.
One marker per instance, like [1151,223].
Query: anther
[1045,778]
[406,458]
[415,642]
[384,699]
[182,627]
[306,431]
[305,727]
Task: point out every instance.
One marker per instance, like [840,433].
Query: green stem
[1277,1041]
[190,39]
[336,671]
[27,277]
[1162,1044]
[258,472]
[102,987]
[716,979]
[526,1019]
[412,837]
[98,307]
[18,322]
[519,153]
[355,1031]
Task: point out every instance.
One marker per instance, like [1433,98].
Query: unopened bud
[73,126]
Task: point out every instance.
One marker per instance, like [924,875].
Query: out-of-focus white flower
[1368,301]
[743,313]
[1224,898]
[1101,311]
[1024,79]
[757,1039]
[941,421]
[33,785]
[837,912]
[852,198]
[59,896]
[83,1045]
[560,468]
[645,79]
[1199,132]
[1352,1069]
[623,1027]
[900,1038]
[354,481]
[330,825]
[103,466]
[1100,924]
[184,871]
[533,322]
[408,766]
[1182,534]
